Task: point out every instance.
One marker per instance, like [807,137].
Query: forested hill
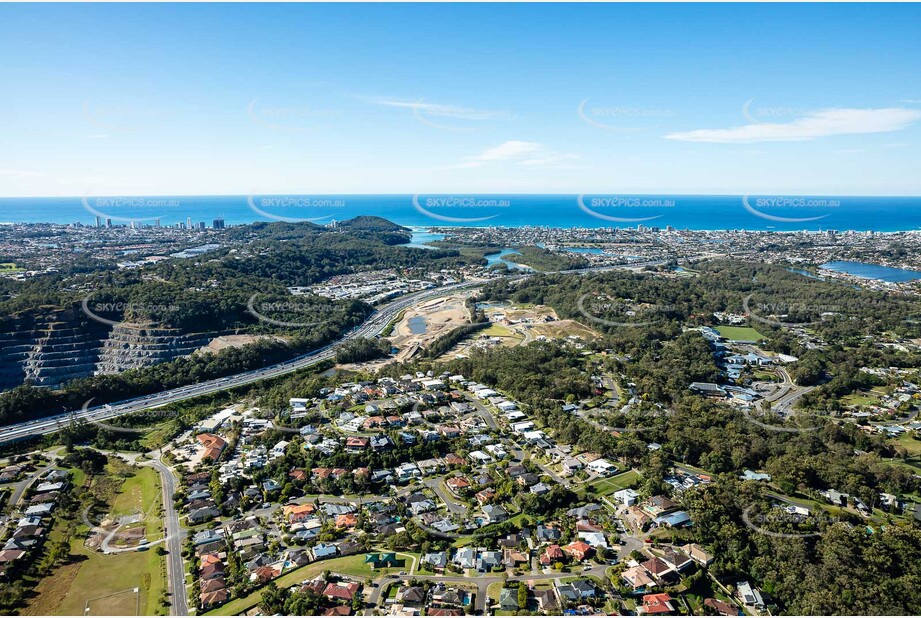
[366,227]
[211,291]
[183,303]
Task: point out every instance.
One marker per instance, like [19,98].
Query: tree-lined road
[179,596]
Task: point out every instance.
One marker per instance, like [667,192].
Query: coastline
[717,213]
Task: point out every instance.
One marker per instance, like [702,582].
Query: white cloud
[512,149]
[529,154]
[821,123]
[443,111]
[549,159]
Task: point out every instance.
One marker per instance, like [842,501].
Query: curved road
[374,325]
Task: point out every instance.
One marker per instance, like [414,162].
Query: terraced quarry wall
[50,346]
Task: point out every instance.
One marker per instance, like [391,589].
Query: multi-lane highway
[374,325]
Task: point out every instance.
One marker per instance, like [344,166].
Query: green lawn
[912,464]
[739,333]
[462,542]
[100,575]
[497,330]
[141,493]
[909,443]
[607,486]
[91,575]
[493,591]
[860,398]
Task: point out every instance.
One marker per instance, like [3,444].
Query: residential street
[178,594]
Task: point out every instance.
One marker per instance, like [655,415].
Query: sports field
[124,603]
[739,333]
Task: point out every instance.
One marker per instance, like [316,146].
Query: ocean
[781,213]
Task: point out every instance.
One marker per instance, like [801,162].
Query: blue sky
[237,99]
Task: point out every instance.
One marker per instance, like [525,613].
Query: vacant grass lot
[123,603]
[91,575]
[861,398]
[909,443]
[141,494]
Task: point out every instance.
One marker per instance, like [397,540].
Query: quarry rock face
[51,346]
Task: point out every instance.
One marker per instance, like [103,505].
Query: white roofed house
[533,436]
[522,427]
[601,466]
[750,596]
[595,539]
[497,450]
[465,558]
[626,497]
[47,487]
[40,510]
[480,457]
[279,449]
[407,471]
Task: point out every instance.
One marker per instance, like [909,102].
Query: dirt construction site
[423,324]
[519,325]
[509,325]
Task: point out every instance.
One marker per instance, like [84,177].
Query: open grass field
[100,584]
[141,494]
[124,603]
[496,330]
[93,575]
[861,398]
[912,464]
[909,443]
[739,333]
